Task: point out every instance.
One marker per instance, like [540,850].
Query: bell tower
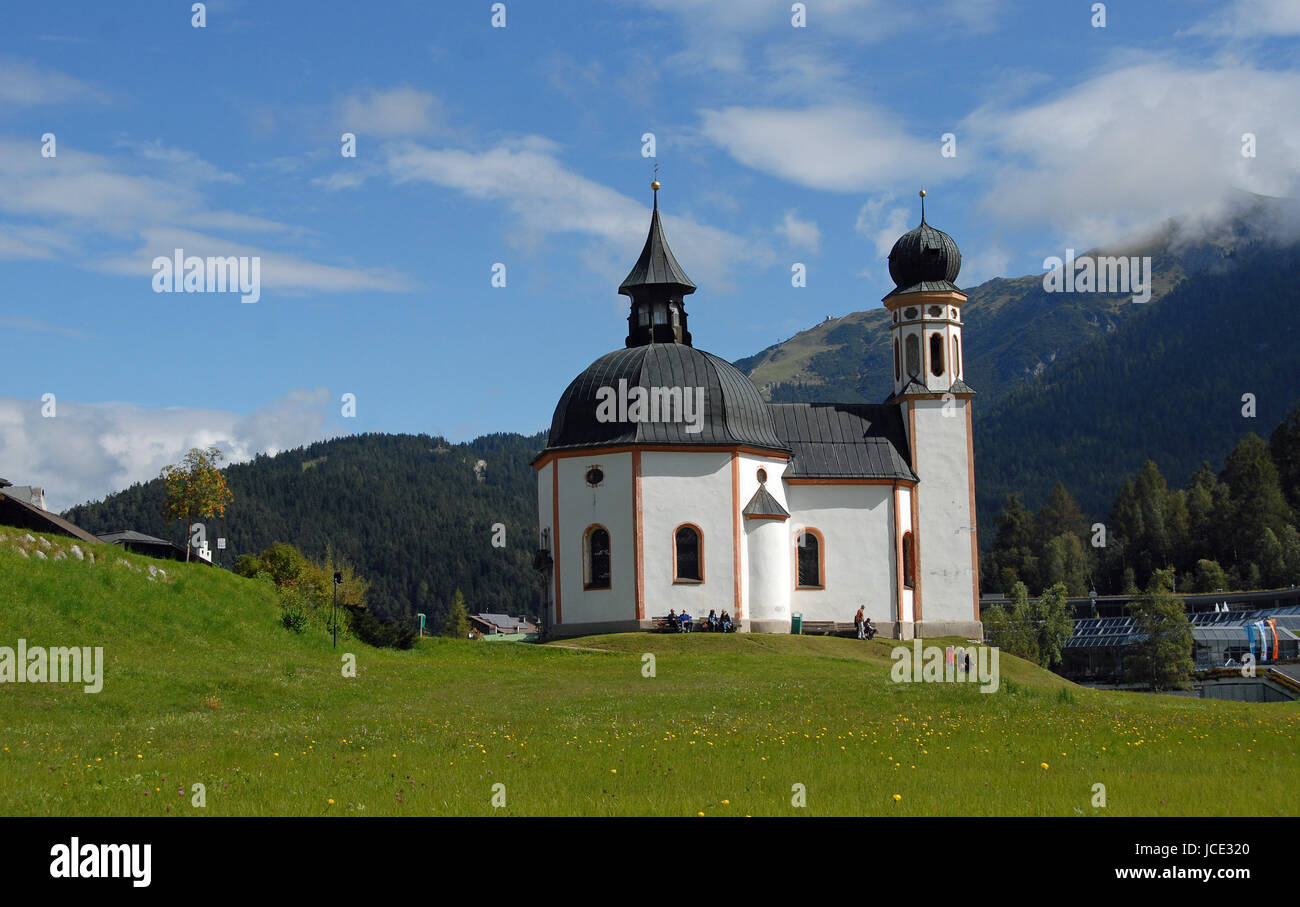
[925,306]
[935,401]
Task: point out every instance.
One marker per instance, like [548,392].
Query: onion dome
[924,260]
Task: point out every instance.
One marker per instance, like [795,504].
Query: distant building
[23,507]
[501,624]
[148,545]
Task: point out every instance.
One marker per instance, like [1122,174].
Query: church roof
[734,413]
[657,267]
[843,440]
[763,504]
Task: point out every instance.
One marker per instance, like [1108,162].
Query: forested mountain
[409,512]
[1169,385]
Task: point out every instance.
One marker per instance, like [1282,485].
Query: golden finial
[922,193]
[655,185]
[922,206]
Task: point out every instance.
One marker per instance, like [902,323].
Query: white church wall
[687,487]
[947,577]
[609,505]
[855,522]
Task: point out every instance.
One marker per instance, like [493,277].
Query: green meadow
[203,685]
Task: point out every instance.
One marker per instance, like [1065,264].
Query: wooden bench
[698,625]
[830,628]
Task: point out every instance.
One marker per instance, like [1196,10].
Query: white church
[668,482]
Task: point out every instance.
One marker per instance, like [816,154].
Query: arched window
[913,355]
[909,561]
[956,356]
[810,560]
[936,353]
[596,558]
[688,554]
[898,363]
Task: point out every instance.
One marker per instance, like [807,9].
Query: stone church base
[967,629]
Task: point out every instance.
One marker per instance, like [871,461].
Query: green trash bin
[796,623]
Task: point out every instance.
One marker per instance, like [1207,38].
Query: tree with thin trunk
[195,488]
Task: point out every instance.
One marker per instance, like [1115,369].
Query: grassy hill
[203,685]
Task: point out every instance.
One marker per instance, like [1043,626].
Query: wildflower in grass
[897,797]
[701,815]
[1045,766]
[726,802]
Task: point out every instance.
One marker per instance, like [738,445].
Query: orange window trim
[687,581]
[821,560]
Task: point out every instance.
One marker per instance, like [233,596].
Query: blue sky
[522,145]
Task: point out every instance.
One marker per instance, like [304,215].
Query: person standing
[859,621]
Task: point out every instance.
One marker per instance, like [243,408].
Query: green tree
[456,624]
[1014,557]
[1013,631]
[1162,656]
[194,488]
[1257,503]
[1066,563]
[1209,577]
[1284,446]
[1052,624]
[1060,514]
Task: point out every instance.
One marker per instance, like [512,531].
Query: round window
[595,476]
[909,313]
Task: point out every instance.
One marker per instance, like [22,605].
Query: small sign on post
[421,616]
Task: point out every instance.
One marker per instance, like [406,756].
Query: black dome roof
[924,259]
[734,413]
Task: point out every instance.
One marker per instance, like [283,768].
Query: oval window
[762,476]
[595,476]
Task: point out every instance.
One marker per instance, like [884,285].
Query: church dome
[924,259]
[733,411]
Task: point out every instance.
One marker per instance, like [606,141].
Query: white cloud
[834,148]
[882,227]
[24,85]
[401,111]
[279,271]
[800,234]
[89,450]
[88,200]
[1254,18]
[1138,144]
[546,198]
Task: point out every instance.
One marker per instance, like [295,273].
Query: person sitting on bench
[869,629]
[726,624]
[674,623]
[686,622]
[712,622]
